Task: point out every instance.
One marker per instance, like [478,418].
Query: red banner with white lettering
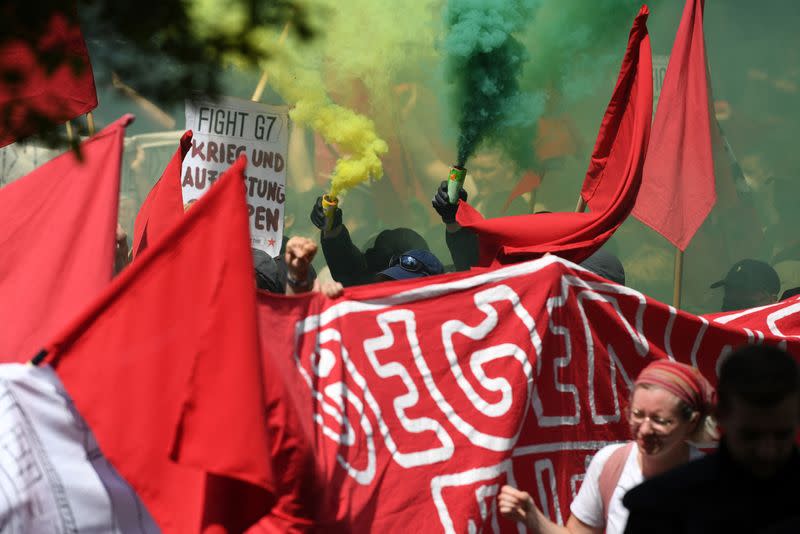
[425,397]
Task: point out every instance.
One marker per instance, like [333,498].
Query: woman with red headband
[670,409]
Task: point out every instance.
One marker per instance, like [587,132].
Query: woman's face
[656,421]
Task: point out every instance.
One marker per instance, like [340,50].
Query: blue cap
[413,264]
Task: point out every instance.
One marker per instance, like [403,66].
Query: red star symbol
[271,243]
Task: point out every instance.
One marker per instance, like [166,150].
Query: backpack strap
[611,473]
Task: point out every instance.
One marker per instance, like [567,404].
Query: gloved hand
[441,203]
[318,216]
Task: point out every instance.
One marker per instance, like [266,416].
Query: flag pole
[90,123]
[581,207]
[677,283]
[70,132]
[262,82]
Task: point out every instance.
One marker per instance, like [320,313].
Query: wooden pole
[677,283]
[90,123]
[155,112]
[262,82]
[581,207]
[532,203]
[70,131]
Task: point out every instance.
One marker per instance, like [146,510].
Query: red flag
[611,183]
[529,181]
[165,369]
[678,189]
[163,207]
[31,95]
[57,230]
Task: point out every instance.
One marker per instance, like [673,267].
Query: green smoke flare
[484,61]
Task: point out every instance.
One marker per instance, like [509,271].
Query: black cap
[789,293]
[413,264]
[267,276]
[751,275]
[605,264]
[390,243]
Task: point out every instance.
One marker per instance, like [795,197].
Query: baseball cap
[751,275]
[413,264]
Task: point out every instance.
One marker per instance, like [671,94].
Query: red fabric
[165,368]
[678,189]
[57,239]
[425,396]
[556,137]
[683,381]
[163,207]
[528,182]
[301,504]
[38,95]
[611,183]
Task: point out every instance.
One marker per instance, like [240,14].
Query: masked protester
[670,408]
[412,264]
[750,483]
[748,284]
[347,263]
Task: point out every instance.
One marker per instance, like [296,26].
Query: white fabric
[588,504]
[53,477]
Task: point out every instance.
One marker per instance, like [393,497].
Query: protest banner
[427,396]
[226,129]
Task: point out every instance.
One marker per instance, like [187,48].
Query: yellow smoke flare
[353,134]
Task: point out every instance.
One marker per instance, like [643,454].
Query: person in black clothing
[412,264]
[748,284]
[349,265]
[750,483]
[462,243]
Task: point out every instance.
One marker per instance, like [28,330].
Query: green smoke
[484,62]
[577,47]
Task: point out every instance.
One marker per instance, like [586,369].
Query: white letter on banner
[484,478]
[483,301]
[541,467]
[322,363]
[410,398]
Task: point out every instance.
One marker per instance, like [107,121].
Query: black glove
[441,203]
[318,216]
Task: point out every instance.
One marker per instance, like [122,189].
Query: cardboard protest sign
[223,131]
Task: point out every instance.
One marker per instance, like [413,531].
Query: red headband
[683,381]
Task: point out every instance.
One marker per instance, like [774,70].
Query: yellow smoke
[295,73]
[353,134]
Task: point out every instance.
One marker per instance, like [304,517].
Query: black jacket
[714,494]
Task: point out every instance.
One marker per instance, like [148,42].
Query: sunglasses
[409,263]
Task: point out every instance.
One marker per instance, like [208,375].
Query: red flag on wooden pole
[611,183]
[678,189]
[166,370]
[57,230]
[163,207]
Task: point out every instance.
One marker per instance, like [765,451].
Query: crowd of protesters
[661,480]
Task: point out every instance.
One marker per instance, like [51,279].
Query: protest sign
[226,129]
